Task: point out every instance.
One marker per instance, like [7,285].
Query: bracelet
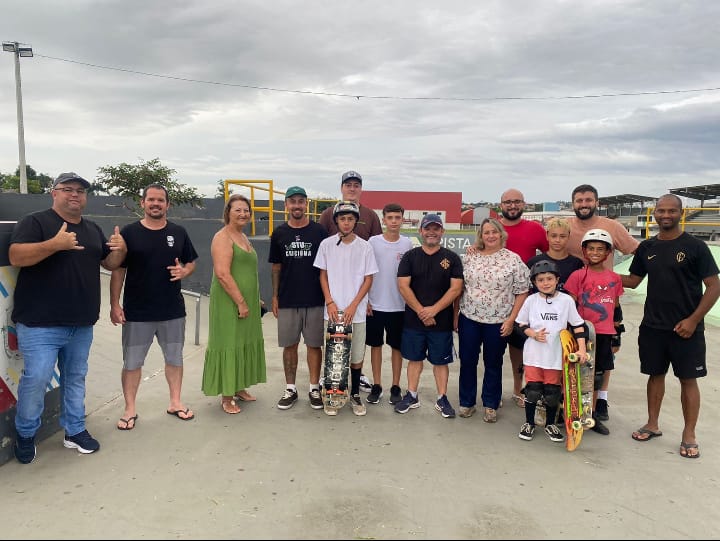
[331,302]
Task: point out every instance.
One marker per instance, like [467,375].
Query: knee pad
[533,391]
[598,379]
[552,395]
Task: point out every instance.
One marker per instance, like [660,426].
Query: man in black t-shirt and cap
[56,305]
[298,301]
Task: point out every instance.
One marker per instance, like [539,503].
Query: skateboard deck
[578,382]
[338,341]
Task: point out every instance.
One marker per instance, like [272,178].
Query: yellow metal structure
[268,187]
[687,213]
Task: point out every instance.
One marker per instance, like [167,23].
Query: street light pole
[14,47]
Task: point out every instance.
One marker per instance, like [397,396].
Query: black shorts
[659,349]
[516,339]
[389,324]
[602,354]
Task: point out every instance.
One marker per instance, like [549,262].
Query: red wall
[450,202]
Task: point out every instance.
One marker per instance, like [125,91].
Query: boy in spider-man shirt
[597,291]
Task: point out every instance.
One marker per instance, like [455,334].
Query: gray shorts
[292,322]
[137,337]
[357,348]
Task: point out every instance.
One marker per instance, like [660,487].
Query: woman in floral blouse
[496,284]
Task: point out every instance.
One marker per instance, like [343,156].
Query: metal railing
[688,218]
[267,186]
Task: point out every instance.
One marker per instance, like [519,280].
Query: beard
[511,214]
[584,216]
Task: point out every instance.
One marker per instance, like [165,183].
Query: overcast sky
[470,53]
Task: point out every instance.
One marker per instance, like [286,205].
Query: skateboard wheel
[576,425]
[573,358]
[589,423]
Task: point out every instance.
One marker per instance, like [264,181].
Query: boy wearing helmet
[347,264]
[541,318]
[368,225]
[597,291]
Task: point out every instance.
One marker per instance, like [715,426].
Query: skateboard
[578,380]
[338,341]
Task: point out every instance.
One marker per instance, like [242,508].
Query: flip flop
[177,413]
[127,422]
[645,431]
[685,447]
[245,396]
[230,406]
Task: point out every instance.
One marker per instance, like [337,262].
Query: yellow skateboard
[578,387]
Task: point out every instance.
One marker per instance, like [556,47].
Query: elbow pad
[583,333]
[617,313]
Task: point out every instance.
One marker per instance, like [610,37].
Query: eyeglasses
[79,191]
[512,202]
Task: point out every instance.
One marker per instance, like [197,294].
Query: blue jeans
[471,336]
[41,347]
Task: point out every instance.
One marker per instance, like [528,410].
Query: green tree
[220,191]
[37,183]
[128,181]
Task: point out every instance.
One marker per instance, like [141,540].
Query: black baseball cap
[70,177]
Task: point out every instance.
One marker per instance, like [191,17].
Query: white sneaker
[357,406]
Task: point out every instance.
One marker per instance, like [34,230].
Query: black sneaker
[25,449]
[83,442]
[527,432]
[444,407]
[600,428]
[554,433]
[395,395]
[315,397]
[365,385]
[601,410]
[407,403]
[287,400]
[375,394]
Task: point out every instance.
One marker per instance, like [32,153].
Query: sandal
[519,400]
[689,450]
[230,406]
[244,396]
[490,415]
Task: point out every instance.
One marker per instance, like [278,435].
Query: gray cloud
[81,117]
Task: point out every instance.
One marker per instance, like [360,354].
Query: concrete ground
[267,473]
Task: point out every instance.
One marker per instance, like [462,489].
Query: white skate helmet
[599,235]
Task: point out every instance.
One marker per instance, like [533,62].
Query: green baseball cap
[295,190]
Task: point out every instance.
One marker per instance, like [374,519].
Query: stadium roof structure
[624,199]
[700,193]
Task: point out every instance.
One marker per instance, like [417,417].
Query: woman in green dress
[235,355]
